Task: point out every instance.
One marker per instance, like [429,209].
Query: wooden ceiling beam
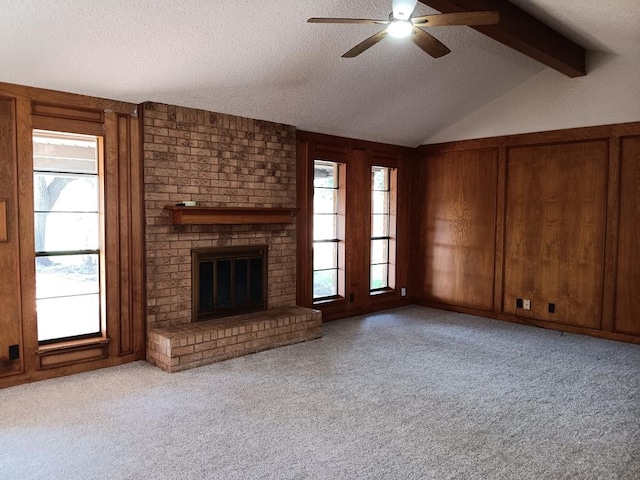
[523,32]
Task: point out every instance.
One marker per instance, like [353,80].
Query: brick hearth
[181,347]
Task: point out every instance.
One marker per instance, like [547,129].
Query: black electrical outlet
[14,352]
[351,297]
[552,308]
[519,303]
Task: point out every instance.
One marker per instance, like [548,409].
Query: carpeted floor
[410,393]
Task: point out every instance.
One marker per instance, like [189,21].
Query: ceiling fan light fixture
[400,28]
[402,24]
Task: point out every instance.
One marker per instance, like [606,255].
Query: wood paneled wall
[627,313]
[10,312]
[550,217]
[123,336]
[555,231]
[459,199]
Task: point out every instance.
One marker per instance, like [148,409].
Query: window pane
[379,202]
[66,275]
[379,251]
[325,255]
[325,283]
[57,231]
[68,316]
[380,225]
[325,200]
[380,178]
[325,227]
[325,174]
[379,277]
[65,193]
[65,152]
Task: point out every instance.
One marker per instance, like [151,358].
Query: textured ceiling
[262,60]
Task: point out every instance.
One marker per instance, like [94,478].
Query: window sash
[326,205]
[381,235]
[69,308]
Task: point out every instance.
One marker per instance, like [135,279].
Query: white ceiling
[260,59]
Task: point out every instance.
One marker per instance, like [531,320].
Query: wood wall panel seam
[10,299]
[627,295]
[112,243]
[24,150]
[501,187]
[139,248]
[4,231]
[125,344]
[612,212]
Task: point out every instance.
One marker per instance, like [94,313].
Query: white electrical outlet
[526,304]
[403,292]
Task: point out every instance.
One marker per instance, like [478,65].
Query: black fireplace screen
[228,281]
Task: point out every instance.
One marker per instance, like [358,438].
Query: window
[328,244]
[68,232]
[382,273]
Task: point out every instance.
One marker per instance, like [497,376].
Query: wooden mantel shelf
[229,215]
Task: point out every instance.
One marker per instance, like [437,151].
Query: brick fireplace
[216,160]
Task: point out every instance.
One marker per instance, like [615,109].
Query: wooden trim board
[3,221]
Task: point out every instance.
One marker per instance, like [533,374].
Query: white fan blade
[402,9]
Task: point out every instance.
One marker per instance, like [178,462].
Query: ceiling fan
[401,24]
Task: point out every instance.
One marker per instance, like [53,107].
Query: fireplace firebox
[228,281]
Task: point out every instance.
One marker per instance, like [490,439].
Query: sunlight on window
[381,234]
[67,234]
[325,229]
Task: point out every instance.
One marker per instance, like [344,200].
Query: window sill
[72,352]
[327,301]
[385,291]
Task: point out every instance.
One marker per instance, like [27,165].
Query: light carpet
[410,393]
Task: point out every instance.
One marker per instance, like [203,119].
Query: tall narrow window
[67,199]
[328,274]
[382,274]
